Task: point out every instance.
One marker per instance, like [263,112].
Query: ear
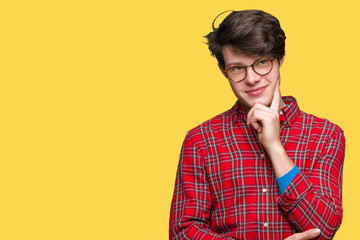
[221,69]
[281,60]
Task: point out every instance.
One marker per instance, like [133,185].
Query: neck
[282,104]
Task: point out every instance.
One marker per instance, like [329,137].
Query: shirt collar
[288,114]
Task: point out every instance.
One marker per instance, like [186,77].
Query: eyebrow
[236,63]
[243,65]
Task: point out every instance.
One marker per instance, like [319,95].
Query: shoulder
[321,125]
[308,123]
[212,126]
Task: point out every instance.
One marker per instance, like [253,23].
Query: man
[263,169]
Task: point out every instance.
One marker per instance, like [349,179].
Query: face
[254,88]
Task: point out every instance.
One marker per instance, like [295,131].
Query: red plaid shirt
[226,187]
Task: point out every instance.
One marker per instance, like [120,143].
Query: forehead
[235,56]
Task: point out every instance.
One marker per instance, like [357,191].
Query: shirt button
[266,225]
[262,155]
[264,190]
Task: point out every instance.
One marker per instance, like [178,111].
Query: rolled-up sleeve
[315,200]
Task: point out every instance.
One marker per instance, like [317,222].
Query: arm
[191,203]
[309,201]
[315,200]
[190,208]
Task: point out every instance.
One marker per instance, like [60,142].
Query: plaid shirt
[226,188]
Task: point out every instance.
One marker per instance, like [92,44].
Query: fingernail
[317,230]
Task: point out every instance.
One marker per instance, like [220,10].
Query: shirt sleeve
[284,181]
[191,203]
[315,199]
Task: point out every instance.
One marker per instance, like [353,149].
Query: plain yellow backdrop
[97,96]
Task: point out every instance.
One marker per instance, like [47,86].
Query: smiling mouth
[256,91]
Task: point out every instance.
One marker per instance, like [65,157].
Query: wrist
[282,164]
[275,149]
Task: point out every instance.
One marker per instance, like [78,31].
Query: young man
[263,169]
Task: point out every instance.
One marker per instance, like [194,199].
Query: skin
[261,96]
[252,81]
[263,107]
[309,234]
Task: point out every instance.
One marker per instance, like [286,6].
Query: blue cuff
[284,181]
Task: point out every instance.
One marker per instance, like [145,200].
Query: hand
[265,120]
[309,234]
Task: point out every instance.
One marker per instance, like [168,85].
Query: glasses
[238,73]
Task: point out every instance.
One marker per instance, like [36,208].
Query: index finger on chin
[275,104]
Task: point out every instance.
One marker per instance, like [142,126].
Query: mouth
[256,91]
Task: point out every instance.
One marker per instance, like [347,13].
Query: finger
[261,115]
[275,104]
[256,125]
[309,234]
[257,107]
[259,118]
[312,233]
[259,130]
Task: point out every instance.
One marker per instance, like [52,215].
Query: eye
[236,68]
[263,62]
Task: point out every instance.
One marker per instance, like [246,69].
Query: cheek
[237,88]
[274,75]
[271,78]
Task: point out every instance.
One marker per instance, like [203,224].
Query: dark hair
[252,32]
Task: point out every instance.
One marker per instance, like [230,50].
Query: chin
[249,103]
[261,101]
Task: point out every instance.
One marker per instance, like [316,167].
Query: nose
[251,76]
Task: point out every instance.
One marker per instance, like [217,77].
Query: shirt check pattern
[226,189]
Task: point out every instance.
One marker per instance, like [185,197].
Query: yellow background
[97,96]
